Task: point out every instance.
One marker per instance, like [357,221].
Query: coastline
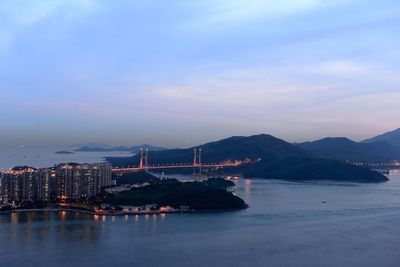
[122,213]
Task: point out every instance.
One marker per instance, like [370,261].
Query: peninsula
[133,193]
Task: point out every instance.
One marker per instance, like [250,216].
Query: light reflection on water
[247,190]
[287,224]
[394,172]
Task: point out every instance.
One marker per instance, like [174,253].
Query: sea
[322,223]
[47,157]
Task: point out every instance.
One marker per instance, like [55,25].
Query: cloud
[341,67]
[237,93]
[277,100]
[244,10]
[239,66]
[357,116]
[19,15]
[219,13]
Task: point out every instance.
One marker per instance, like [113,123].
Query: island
[64,152]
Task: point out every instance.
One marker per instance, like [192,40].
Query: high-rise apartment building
[66,181]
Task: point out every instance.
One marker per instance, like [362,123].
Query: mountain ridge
[392,137]
[342,148]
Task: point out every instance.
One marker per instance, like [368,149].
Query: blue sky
[178,73]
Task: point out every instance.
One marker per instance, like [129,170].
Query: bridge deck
[175,166]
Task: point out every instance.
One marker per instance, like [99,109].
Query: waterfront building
[18,184]
[82,181]
[65,186]
[65,181]
[46,184]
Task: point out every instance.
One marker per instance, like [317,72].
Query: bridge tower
[147,157]
[144,158]
[141,159]
[197,159]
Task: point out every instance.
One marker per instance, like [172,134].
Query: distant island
[272,158]
[64,152]
[132,149]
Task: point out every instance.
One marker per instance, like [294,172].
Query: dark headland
[207,195]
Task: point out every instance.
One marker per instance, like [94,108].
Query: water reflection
[285,224]
[247,190]
[154,228]
[44,227]
[63,214]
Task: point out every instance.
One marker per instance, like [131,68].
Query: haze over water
[286,224]
[46,157]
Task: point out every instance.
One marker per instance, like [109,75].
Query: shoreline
[122,213]
[90,212]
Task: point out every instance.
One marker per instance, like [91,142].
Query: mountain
[341,148]
[278,159]
[392,137]
[233,148]
[132,149]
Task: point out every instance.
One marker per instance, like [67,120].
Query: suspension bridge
[197,163]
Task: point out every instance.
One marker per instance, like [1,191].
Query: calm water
[46,157]
[286,225]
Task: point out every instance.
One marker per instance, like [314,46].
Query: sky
[178,73]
